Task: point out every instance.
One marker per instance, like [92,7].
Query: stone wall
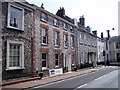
[15,35]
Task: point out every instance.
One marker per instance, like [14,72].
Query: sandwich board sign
[54,72]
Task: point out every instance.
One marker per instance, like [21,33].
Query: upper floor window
[65,40]
[15,55]
[43,17]
[117,45]
[44,36]
[15,17]
[55,22]
[56,37]
[71,28]
[72,41]
[65,26]
[80,35]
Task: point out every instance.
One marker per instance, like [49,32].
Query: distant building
[114,49]
[100,48]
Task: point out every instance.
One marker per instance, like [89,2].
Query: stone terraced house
[62,42]
[17,28]
[36,40]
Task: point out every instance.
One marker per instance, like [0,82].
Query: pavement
[35,81]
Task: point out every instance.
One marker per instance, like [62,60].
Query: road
[104,78]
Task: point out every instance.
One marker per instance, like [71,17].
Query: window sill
[43,20]
[15,28]
[56,67]
[65,47]
[57,46]
[44,68]
[55,25]
[65,29]
[72,48]
[15,68]
[43,44]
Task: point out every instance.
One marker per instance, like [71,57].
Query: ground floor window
[57,60]
[118,57]
[44,60]
[15,55]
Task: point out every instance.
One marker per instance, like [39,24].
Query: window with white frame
[57,60]
[56,37]
[15,55]
[44,60]
[15,17]
[71,28]
[80,35]
[72,41]
[65,40]
[43,17]
[65,26]
[117,45]
[44,35]
[55,22]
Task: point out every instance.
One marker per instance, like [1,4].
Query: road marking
[82,85]
[62,80]
[100,77]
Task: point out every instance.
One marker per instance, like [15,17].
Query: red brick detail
[73,51]
[44,50]
[65,33]
[44,26]
[56,30]
[57,51]
[54,60]
[72,35]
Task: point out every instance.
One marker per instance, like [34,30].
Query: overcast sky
[100,15]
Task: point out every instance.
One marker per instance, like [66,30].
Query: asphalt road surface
[104,78]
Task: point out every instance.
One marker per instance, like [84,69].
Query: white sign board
[54,72]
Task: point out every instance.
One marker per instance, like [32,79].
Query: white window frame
[57,59]
[42,17]
[8,19]
[55,22]
[72,42]
[45,36]
[43,68]
[65,41]
[21,54]
[65,26]
[71,28]
[56,40]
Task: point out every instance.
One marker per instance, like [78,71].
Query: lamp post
[108,37]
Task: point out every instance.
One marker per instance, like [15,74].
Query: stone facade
[101,48]
[0,41]
[87,48]
[114,49]
[47,41]
[24,36]
[50,48]
[84,51]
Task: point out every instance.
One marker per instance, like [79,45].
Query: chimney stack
[101,34]
[108,33]
[82,20]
